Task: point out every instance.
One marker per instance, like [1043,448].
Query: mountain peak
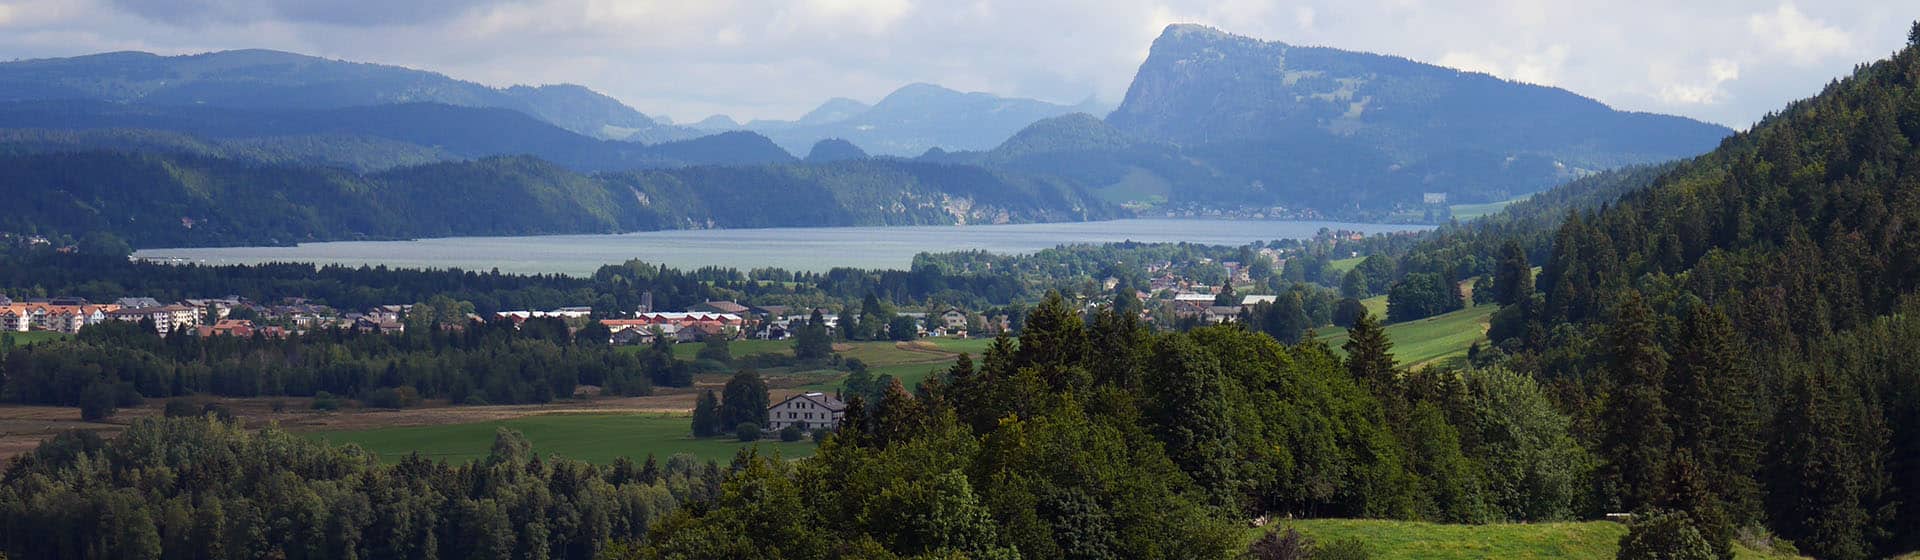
[834,110]
[834,149]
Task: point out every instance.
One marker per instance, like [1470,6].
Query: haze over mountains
[1214,123]
[909,121]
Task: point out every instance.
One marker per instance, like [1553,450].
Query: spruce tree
[706,415]
[1513,280]
[812,341]
[1715,413]
[1816,488]
[1370,355]
[1688,493]
[1054,342]
[1635,438]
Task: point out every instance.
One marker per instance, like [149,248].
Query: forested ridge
[161,199]
[1750,318]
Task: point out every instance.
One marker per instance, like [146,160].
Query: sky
[1724,61]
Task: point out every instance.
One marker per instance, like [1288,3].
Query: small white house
[807,410]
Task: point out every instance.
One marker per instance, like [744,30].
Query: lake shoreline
[809,248]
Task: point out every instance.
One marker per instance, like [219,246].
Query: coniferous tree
[1116,339]
[706,415]
[1816,487]
[1054,342]
[1715,413]
[1370,356]
[1688,493]
[812,341]
[1513,280]
[1635,437]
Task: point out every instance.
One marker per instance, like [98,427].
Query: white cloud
[1711,59]
[1718,73]
[1802,39]
[1542,68]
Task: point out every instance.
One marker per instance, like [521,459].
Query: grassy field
[598,438]
[1344,265]
[910,366]
[1392,540]
[1434,339]
[1464,212]
[30,337]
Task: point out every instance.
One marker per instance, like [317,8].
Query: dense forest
[1750,316]
[165,199]
[272,494]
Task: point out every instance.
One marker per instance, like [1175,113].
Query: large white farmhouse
[807,410]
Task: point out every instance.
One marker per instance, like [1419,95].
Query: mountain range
[908,122]
[272,80]
[1215,119]
[1212,122]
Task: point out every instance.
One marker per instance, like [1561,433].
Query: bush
[126,396]
[325,401]
[1286,544]
[1349,549]
[97,402]
[820,435]
[182,407]
[792,433]
[1664,536]
[747,431]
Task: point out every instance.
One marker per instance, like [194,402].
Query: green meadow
[596,438]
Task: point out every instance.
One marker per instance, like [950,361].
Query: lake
[810,249]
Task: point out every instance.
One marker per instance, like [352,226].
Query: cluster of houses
[211,317]
[202,317]
[762,322]
[205,317]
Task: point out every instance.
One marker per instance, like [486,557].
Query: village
[1167,292]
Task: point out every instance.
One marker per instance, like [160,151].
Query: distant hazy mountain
[462,132]
[1225,120]
[833,111]
[264,79]
[908,121]
[834,149]
[717,123]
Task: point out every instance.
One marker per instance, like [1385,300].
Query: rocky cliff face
[1200,86]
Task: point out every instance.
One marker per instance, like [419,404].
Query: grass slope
[1392,540]
[597,438]
[1431,340]
[1464,212]
[30,337]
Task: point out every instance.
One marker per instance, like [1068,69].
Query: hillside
[1356,134]
[190,198]
[464,132]
[1754,307]
[272,80]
